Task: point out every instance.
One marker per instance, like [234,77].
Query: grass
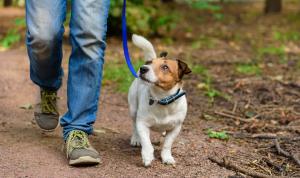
[207,86]
[12,37]
[248,69]
[117,73]
[204,42]
[272,50]
[198,69]
[218,135]
[20,22]
[287,36]
[210,91]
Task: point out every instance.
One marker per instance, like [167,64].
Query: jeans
[88,26]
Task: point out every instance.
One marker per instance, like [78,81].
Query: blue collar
[167,100]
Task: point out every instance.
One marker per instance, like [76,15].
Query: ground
[245,81]
[28,152]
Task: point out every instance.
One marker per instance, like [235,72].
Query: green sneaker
[79,150]
[46,114]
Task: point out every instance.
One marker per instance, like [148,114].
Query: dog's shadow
[117,148]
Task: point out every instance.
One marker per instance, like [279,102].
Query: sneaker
[46,114]
[79,150]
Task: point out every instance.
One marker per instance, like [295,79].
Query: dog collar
[167,100]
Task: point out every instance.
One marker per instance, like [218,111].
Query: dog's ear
[183,69]
[163,54]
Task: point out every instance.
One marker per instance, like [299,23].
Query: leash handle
[124,38]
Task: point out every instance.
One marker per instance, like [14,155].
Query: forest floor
[244,91]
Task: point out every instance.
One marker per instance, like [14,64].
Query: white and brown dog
[157,101]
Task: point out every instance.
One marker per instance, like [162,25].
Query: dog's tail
[145,45]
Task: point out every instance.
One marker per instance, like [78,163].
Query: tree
[7,3]
[167,1]
[273,6]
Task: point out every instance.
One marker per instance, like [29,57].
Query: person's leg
[88,27]
[44,20]
[87,32]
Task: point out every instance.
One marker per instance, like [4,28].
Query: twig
[285,153]
[264,136]
[234,117]
[295,129]
[262,168]
[234,107]
[271,163]
[255,136]
[230,165]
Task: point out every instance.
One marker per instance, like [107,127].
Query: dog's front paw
[167,158]
[135,141]
[148,156]
[147,160]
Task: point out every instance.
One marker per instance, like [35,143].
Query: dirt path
[27,152]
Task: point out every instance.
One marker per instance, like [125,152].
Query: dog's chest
[163,118]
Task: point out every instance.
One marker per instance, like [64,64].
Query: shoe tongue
[79,141]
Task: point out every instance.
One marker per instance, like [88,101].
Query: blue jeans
[88,26]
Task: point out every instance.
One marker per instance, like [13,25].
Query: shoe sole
[84,160]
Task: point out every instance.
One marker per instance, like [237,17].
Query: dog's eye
[164,67]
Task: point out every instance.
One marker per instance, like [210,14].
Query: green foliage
[11,37]
[206,5]
[198,69]
[203,5]
[204,42]
[288,36]
[143,18]
[249,69]
[20,22]
[119,74]
[218,135]
[211,92]
[272,50]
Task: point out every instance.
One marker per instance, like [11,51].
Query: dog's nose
[144,70]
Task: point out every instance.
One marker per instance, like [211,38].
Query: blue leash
[124,38]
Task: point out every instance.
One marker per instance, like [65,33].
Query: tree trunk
[7,3]
[273,6]
[167,1]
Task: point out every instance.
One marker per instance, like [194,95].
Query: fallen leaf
[27,106]
[99,131]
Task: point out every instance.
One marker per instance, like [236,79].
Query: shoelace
[77,139]
[48,103]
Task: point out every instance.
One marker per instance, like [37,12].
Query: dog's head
[163,72]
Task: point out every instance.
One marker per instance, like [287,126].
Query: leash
[124,39]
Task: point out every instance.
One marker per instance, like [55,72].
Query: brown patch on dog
[169,72]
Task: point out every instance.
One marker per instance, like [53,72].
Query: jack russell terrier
[157,101]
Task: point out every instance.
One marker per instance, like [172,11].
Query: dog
[157,101]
